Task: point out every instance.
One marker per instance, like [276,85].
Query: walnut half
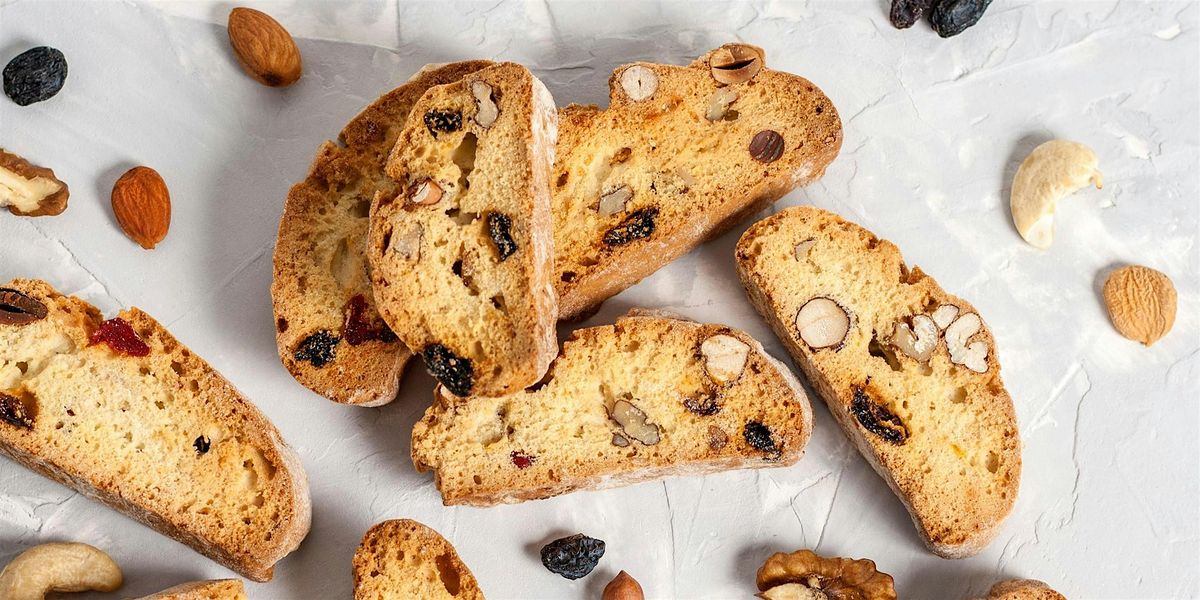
[802,574]
[29,190]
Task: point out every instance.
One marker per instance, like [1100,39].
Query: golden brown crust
[405,559]
[51,205]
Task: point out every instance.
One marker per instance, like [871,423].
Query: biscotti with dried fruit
[328,331]
[125,414]
[680,155]
[216,589]
[644,398]
[909,371]
[461,255]
[403,559]
[1023,589]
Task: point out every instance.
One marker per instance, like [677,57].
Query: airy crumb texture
[1023,589]
[643,182]
[217,589]
[461,256]
[646,398]
[914,383]
[320,267]
[404,559]
[162,437]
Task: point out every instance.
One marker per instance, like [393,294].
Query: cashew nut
[58,568]
[1053,171]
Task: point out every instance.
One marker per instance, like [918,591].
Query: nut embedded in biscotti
[12,411]
[142,206]
[18,308]
[634,423]
[801,250]
[806,575]
[406,242]
[29,190]
[766,146]
[735,63]
[972,356]
[60,567]
[822,323]
[877,419]
[264,48]
[426,193]
[639,82]
[944,316]
[918,341]
[1141,303]
[613,200]
[718,107]
[724,358]
[623,587]
[486,110]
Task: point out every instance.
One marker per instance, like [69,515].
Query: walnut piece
[724,358]
[918,341]
[945,315]
[1141,303]
[639,82]
[634,423]
[613,200]
[29,190]
[486,110]
[406,242]
[719,106]
[835,578]
[972,356]
[822,323]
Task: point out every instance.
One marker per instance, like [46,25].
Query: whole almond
[1141,303]
[623,587]
[266,50]
[142,205]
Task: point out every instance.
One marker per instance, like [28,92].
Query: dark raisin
[759,438]
[705,406]
[18,308]
[907,12]
[952,17]
[443,121]
[34,75]
[573,557]
[12,411]
[202,444]
[319,348]
[878,419]
[766,146]
[500,228]
[119,335]
[358,330]
[451,370]
[521,460]
[636,226]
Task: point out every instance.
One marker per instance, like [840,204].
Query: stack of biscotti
[461,256]
[216,589]
[328,331]
[125,414]
[648,397]
[403,559]
[909,371]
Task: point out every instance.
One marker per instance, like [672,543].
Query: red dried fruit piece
[521,460]
[357,330]
[12,411]
[120,337]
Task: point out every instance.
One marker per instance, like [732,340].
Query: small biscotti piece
[122,412]
[216,589]
[646,398]
[404,559]
[329,334]
[1023,589]
[680,155]
[461,255]
[909,371]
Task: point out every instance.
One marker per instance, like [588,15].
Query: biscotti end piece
[328,332]
[680,155]
[642,399]
[122,412]
[461,256]
[1023,589]
[405,559]
[216,589]
[909,371]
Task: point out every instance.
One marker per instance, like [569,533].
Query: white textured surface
[935,128]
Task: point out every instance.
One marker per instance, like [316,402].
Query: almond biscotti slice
[403,559]
[329,334]
[1022,589]
[645,398]
[216,589]
[122,412]
[680,155]
[461,256]
[909,371]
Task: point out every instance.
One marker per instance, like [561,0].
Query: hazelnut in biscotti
[645,398]
[121,411]
[461,253]
[680,155]
[909,371]
[403,559]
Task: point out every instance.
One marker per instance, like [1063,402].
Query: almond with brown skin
[623,587]
[142,205]
[266,50]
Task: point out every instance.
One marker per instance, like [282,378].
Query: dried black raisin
[759,438]
[318,348]
[878,419]
[573,557]
[500,228]
[34,75]
[12,411]
[636,226]
[907,12]
[705,406]
[451,370]
[202,444]
[443,121]
[952,17]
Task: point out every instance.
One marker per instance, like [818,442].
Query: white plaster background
[934,130]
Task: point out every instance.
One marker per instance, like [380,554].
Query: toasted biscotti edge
[972,544]
[215,589]
[366,374]
[366,562]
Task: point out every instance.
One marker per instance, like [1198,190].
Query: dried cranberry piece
[120,337]
[358,330]
[12,411]
[521,460]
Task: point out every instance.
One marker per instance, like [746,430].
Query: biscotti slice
[645,398]
[461,256]
[216,589]
[125,414]
[680,155]
[909,371]
[329,334]
[1023,589]
[403,559]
